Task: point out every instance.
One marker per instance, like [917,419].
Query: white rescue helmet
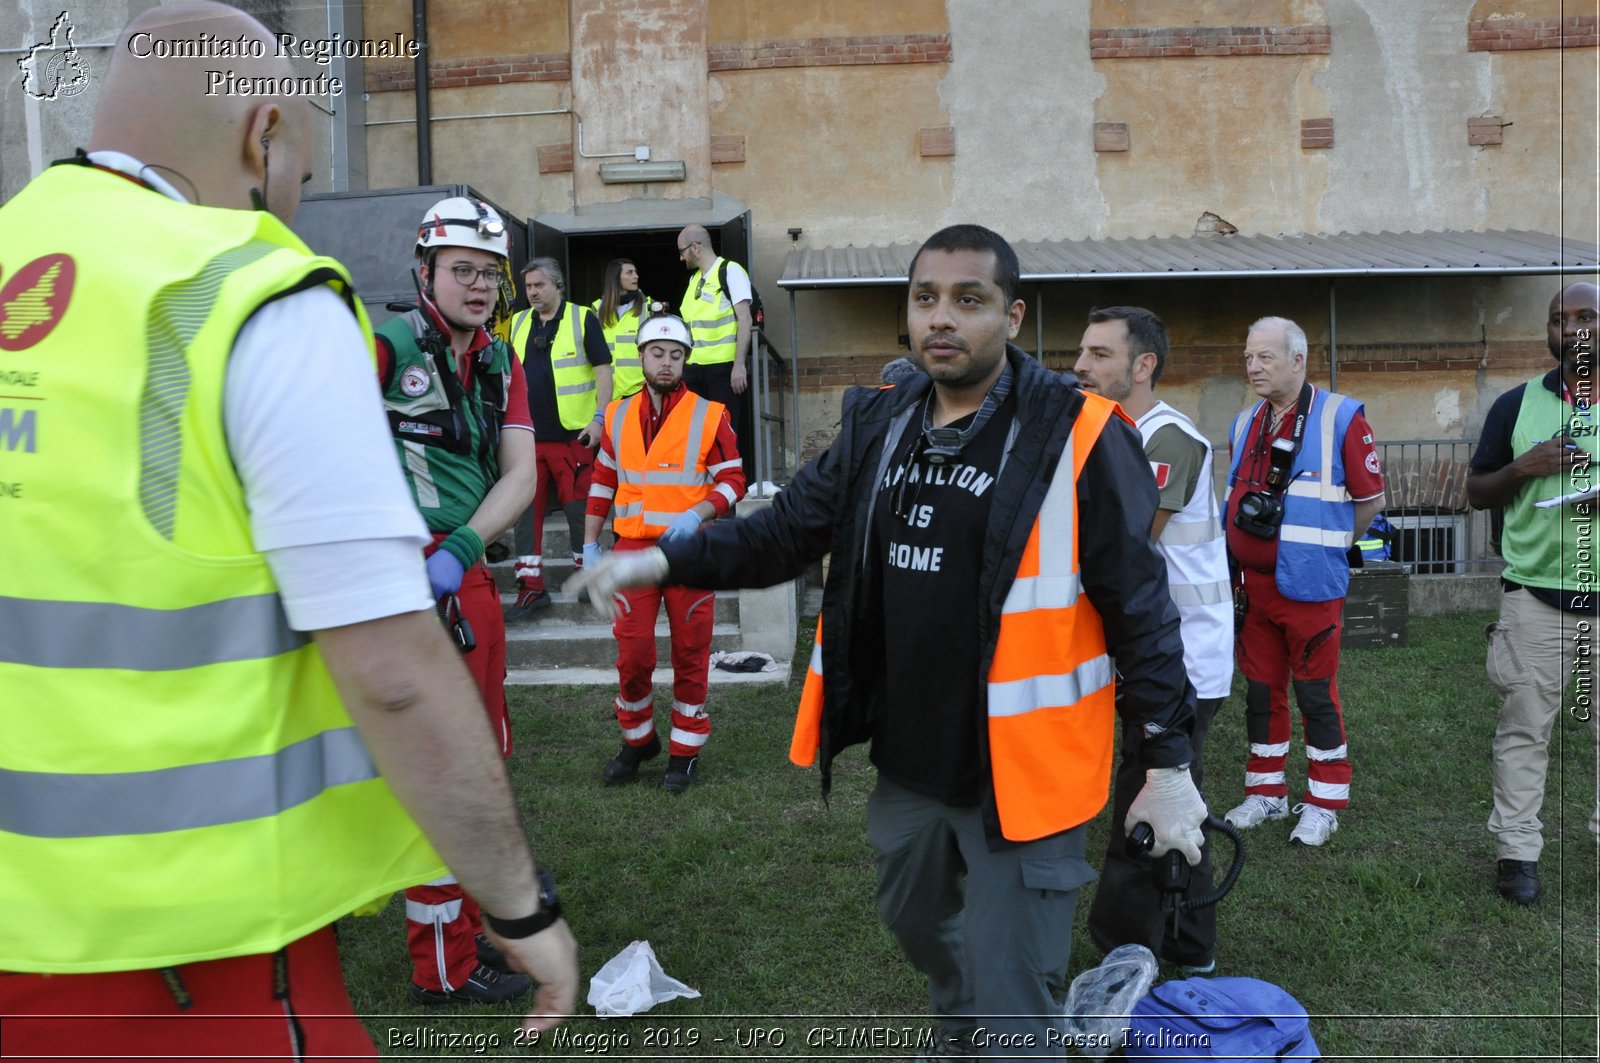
[462,222]
[665,327]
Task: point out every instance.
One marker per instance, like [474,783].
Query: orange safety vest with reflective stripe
[656,484]
[1051,692]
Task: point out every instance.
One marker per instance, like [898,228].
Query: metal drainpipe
[419,31]
[1038,322]
[1333,338]
[794,374]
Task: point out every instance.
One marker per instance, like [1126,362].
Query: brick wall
[1523,34]
[1191,363]
[1141,42]
[830,51]
[473,70]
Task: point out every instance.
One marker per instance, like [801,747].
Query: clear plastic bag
[1101,999]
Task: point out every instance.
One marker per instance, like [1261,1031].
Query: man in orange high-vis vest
[668,462]
[990,526]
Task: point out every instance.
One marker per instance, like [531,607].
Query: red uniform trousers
[442,922]
[690,615]
[565,469]
[303,1008]
[1283,641]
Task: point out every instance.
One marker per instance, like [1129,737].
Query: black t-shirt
[928,530]
[541,377]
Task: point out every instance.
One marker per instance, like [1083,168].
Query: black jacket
[828,507]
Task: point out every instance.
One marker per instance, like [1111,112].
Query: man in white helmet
[663,426]
[458,410]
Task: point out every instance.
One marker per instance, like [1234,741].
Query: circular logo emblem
[414,381]
[34,299]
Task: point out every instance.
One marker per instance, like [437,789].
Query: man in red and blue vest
[1303,481]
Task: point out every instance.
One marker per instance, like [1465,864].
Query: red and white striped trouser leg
[1314,657]
[635,631]
[690,615]
[442,927]
[1264,661]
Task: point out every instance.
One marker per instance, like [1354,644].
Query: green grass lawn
[754,892]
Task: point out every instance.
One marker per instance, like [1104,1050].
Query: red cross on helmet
[462,222]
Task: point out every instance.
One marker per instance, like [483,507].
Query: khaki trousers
[1533,648]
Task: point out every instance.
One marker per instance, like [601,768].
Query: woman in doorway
[620,308]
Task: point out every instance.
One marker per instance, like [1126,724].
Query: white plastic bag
[1101,999]
[633,981]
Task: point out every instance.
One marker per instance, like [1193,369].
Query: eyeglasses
[688,247]
[467,276]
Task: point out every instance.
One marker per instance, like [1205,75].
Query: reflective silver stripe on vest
[711,323]
[630,509]
[49,634]
[619,417]
[177,314]
[576,389]
[1304,533]
[1056,586]
[1043,691]
[1200,593]
[53,805]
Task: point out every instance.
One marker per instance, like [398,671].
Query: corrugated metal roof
[1442,253]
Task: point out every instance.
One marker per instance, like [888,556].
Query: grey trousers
[994,952]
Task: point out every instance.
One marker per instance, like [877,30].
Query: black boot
[1519,881]
[625,765]
[680,773]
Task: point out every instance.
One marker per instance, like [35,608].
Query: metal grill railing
[1425,489]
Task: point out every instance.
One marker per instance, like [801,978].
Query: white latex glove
[591,554]
[1174,809]
[618,570]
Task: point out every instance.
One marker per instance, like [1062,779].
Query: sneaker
[1316,824]
[490,955]
[1519,881]
[625,765]
[529,601]
[680,773]
[1196,970]
[484,986]
[1256,809]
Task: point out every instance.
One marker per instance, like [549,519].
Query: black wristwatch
[529,925]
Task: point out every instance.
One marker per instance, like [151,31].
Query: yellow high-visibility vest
[627,375]
[178,779]
[573,375]
[709,314]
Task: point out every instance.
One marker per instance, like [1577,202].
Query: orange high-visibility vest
[1051,686]
[656,484]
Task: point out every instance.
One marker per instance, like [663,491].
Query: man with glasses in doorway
[562,347]
[720,320]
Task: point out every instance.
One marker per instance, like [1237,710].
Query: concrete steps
[567,644]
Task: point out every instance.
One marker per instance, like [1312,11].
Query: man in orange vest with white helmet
[990,525]
[668,462]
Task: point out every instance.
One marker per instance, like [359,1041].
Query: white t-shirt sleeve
[328,504]
[738,283]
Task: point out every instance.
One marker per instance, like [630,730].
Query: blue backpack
[1233,1019]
